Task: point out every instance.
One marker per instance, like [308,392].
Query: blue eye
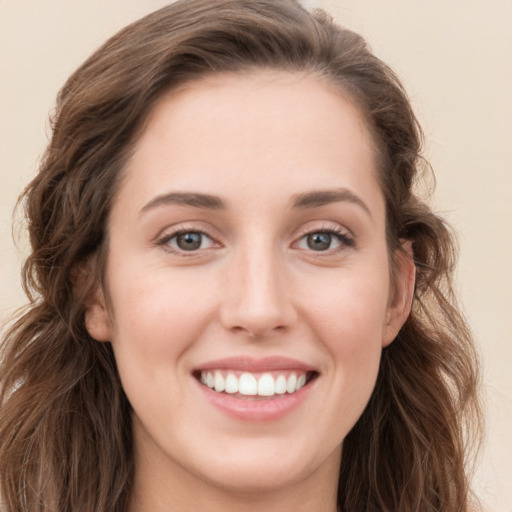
[188,241]
[325,240]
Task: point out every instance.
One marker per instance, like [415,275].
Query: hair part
[65,428]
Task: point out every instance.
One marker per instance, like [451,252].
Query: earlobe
[400,304]
[97,317]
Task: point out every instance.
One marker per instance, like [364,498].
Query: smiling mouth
[249,385]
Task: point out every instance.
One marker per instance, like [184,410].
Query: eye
[319,241]
[324,240]
[188,241]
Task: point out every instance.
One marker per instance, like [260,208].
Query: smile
[255,390]
[255,384]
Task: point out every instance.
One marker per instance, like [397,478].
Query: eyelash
[345,240]
[165,239]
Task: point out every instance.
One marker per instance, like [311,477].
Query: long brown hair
[65,423]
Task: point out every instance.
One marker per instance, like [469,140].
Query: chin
[265,467]
[253,477]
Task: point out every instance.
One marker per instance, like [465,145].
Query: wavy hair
[65,423]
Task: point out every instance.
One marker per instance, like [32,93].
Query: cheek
[156,319]
[155,323]
[350,319]
[354,340]
[351,310]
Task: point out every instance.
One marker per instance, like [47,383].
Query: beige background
[455,58]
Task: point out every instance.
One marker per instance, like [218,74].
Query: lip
[247,364]
[256,409]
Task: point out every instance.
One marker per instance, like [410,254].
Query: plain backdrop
[455,59]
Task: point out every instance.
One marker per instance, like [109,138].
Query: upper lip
[253,365]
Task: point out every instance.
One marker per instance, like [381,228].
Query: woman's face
[248,281]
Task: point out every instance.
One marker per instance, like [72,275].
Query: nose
[257,299]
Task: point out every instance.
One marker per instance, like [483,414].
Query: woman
[238,302]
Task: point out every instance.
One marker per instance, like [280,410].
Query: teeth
[291,383]
[280,387]
[266,385]
[231,384]
[248,384]
[219,382]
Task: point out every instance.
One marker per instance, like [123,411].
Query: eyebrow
[318,198]
[306,200]
[193,199]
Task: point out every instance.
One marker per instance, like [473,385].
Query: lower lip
[254,409]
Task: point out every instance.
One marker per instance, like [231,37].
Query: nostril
[257,332]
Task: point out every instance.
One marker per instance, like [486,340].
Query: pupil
[189,241]
[319,241]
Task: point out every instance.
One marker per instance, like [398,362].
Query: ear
[97,317]
[400,302]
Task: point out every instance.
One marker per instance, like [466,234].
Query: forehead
[258,95]
[292,130]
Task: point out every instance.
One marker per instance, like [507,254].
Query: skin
[254,288]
